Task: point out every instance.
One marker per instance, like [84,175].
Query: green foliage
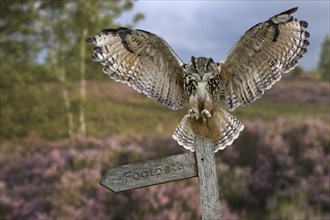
[297,71]
[17,17]
[40,57]
[40,110]
[26,111]
[324,63]
[69,22]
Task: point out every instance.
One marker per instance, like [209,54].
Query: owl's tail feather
[222,128]
[184,134]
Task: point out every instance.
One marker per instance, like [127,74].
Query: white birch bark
[61,75]
[82,122]
[67,102]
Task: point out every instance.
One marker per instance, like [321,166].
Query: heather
[63,123]
[278,172]
[272,171]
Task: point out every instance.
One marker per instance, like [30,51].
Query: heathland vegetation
[64,123]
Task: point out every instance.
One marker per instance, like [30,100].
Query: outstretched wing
[264,52]
[142,60]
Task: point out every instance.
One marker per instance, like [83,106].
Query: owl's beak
[201,75]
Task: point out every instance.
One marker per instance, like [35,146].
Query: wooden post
[208,181]
[172,168]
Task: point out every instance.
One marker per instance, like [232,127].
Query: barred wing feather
[264,52]
[142,60]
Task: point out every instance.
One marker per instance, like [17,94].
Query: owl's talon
[193,113]
[206,114]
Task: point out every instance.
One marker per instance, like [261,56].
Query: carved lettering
[158,171]
[154,171]
[180,165]
[144,173]
[127,175]
[174,167]
[136,176]
[167,169]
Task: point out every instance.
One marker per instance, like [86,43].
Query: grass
[146,116]
[115,109]
[143,116]
[293,111]
[134,113]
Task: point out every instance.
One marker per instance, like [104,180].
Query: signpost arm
[171,168]
[151,172]
[208,181]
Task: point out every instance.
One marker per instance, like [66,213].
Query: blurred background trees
[324,63]
[63,124]
[43,42]
[297,71]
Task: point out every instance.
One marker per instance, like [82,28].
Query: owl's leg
[208,104]
[193,103]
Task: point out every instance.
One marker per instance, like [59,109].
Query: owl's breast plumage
[201,91]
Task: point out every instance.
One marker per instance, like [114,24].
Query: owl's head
[201,68]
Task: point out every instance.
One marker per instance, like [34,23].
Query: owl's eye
[208,69]
[194,70]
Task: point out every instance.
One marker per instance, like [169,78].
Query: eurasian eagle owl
[148,64]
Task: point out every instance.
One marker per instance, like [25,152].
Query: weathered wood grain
[208,181]
[152,172]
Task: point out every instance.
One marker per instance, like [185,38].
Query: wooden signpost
[171,168]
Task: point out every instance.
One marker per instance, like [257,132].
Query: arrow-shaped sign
[152,172]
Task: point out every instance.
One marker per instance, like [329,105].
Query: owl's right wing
[257,60]
[142,60]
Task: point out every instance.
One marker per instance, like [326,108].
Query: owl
[147,63]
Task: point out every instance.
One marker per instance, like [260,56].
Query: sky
[212,28]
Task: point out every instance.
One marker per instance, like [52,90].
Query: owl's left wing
[142,60]
[264,52]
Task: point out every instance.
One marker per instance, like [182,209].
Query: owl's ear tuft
[193,60]
[210,60]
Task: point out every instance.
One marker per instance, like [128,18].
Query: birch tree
[43,41]
[71,22]
[57,42]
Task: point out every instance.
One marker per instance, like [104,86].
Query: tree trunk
[66,100]
[61,75]
[82,122]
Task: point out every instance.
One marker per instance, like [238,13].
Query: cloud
[211,28]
